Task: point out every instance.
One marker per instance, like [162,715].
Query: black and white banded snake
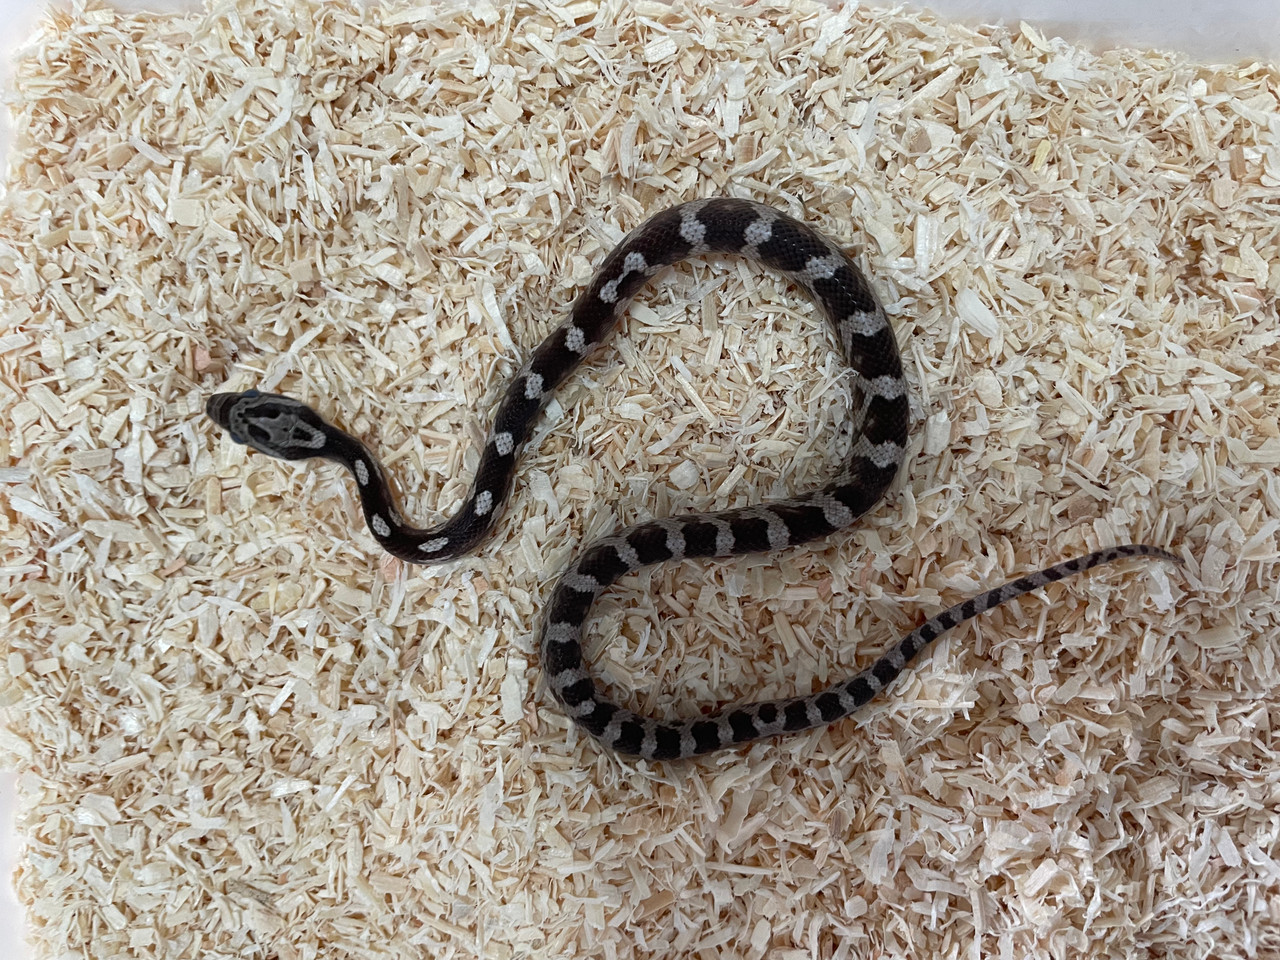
[284,428]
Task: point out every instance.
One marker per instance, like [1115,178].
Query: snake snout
[218,408]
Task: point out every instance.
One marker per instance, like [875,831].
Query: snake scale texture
[285,428]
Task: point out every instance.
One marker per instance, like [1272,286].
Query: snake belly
[285,428]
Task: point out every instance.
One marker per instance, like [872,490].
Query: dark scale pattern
[285,428]
[605,563]
[700,538]
[561,656]
[568,605]
[795,717]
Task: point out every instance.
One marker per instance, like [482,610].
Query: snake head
[269,423]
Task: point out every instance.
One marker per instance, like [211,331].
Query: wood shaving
[243,732]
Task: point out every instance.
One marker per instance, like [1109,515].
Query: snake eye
[251,394]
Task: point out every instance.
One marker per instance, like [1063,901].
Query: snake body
[285,428]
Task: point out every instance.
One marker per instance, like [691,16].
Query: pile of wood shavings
[245,733]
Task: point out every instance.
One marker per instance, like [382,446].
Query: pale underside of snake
[287,429]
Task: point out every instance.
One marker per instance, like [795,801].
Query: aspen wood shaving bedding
[244,733]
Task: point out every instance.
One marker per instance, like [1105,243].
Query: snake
[288,429]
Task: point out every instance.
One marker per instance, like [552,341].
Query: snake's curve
[285,428]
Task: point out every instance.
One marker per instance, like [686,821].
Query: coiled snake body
[284,428]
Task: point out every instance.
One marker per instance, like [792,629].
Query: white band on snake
[285,428]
